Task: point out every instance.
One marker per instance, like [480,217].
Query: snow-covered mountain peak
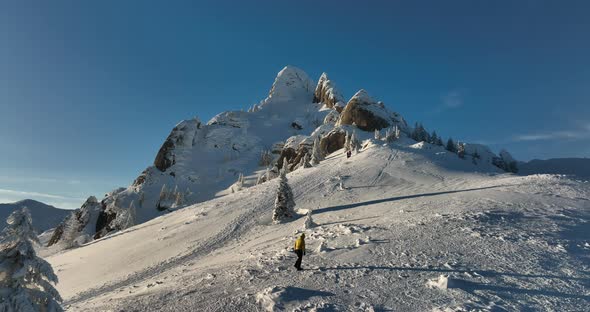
[291,83]
[362,96]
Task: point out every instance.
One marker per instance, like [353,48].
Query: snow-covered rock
[366,113]
[326,93]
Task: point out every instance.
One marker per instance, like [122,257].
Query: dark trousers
[299,258]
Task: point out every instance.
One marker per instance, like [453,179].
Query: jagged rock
[326,92]
[332,117]
[333,141]
[87,216]
[182,135]
[365,112]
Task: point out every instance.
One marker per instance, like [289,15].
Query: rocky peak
[365,112]
[183,135]
[291,82]
[326,92]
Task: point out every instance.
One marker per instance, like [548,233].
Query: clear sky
[90,89]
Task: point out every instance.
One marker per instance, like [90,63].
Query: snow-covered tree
[260,179]
[316,153]
[25,279]
[433,138]
[285,165]
[451,146]
[347,145]
[284,202]
[355,144]
[377,134]
[163,193]
[141,199]
[461,150]
[126,218]
[392,134]
[308,224]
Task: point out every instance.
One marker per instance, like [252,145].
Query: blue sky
[90,89]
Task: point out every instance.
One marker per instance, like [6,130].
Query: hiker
[300,251]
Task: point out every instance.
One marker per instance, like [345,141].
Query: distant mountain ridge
[579,167]
[44,216]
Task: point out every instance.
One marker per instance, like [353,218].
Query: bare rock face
[366,113]
[86,215]
[182,135]
[333,141]
[326,92]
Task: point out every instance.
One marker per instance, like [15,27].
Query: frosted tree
[260,179]
[285,165]
[308,224]
[433,138]
[377,134]
[284,202]
[163,193]
[355,144]
[269,175]
[316,154]
[461,150]
[347,145]
[25,279]
[141,199]
[240,183]
[451,146]
[126,218]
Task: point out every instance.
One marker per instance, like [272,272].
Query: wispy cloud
[13,179]
[577,134]
[452,99]
[35,194]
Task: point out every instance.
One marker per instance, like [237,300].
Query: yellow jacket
[300,243]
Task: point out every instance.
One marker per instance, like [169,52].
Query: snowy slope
[44,216]
[407,216]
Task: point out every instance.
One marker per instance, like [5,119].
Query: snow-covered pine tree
[141,199]
[377,134]
[308,224]
[347,146]
[25,281]
[316,154]
[439,142]
[163,193]
[285,166]
[355,144]
[461,150]
[126,218]
[451,146]
[284,202]
[260,179]
[433,138]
